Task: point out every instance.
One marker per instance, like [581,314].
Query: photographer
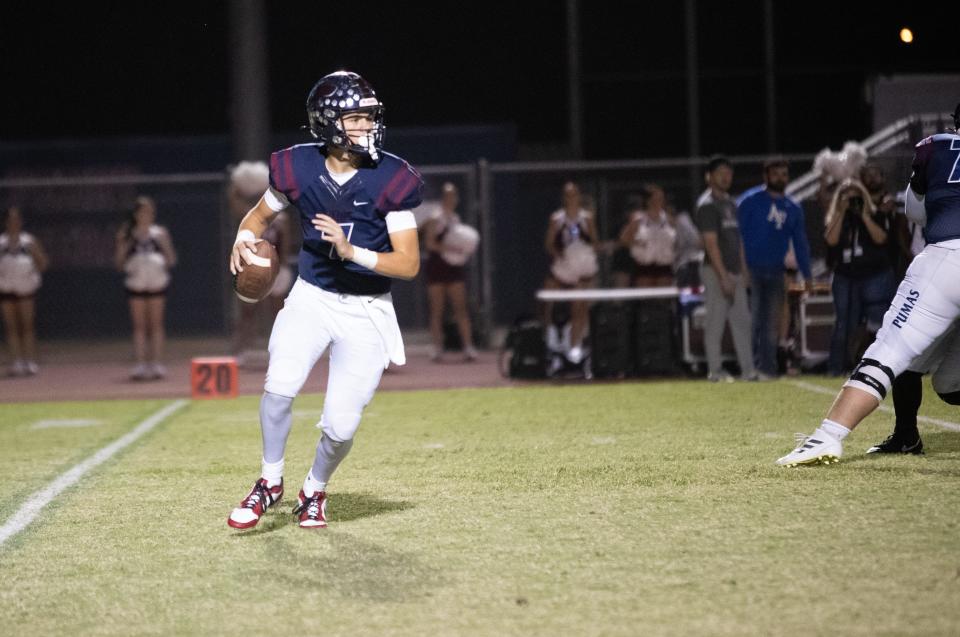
[863,284]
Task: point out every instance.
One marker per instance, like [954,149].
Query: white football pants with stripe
[924,308]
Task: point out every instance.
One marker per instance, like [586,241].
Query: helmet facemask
[368,143]
[332,100]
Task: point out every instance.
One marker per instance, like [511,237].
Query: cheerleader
[145,254]
[449,244]
[651,237]
[570,240]
[22,259]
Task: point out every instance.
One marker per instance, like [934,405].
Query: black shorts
[12,296]
[139,294]
[659,271]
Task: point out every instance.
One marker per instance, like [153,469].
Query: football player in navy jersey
[354,203]
[925,306]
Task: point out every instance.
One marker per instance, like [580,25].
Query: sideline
[946,424]
[35,503]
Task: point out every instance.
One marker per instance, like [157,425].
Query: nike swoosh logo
[360,203]
[905,448]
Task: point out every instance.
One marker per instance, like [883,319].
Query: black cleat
[899,444]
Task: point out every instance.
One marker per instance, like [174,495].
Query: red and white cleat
[252,508]
[312,511]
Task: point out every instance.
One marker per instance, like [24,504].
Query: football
[255,281]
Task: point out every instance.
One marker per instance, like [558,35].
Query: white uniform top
[655,242]
[18,271]
[146,267]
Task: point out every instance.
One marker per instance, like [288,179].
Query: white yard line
[35,503]
[65,422]
[945,424]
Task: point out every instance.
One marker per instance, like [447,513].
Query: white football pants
[313,319]
[925,306]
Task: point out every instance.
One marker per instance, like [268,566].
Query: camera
[855,205]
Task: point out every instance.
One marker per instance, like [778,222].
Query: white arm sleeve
[275,199]
[914,207]
[400,220]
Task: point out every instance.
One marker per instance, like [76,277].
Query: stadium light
[906,35]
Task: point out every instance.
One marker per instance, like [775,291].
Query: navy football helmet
[336,95]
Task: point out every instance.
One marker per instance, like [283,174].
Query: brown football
[256,279]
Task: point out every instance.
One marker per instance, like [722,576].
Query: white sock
[311,485]
[272,472]
[835,429]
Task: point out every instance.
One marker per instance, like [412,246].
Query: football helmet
[336,95]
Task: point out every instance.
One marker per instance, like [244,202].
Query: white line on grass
[31,508]
[65,422]
[946,424]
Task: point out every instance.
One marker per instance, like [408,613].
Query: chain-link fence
[76,219]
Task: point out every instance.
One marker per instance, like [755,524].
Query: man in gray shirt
[724,274]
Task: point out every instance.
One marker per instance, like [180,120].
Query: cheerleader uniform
[146,266]
[438,269]
[19,276]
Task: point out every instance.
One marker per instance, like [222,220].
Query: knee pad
[339,426]
[285,376]
[873,377]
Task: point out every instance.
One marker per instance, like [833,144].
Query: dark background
[122,68]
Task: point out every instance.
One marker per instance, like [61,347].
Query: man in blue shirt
[769,222]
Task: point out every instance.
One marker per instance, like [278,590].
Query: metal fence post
[485,214]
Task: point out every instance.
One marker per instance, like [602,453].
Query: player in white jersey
[22,260]
[926,304]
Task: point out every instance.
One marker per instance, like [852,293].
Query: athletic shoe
[312,511]
[31,368]
[758,377]
[899,444]
[722,377]
[819,448]
[576,355]
[252,508]
[140,372]
[18,368]
[470,354]
[157,371]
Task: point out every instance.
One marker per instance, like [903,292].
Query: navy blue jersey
[936,174]
[360,207]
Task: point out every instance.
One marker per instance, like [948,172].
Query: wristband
[245,235]
[364,257]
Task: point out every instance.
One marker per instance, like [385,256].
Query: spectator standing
[145,254]
[857,233]
[724,274]
[449,244]
[769,220]
[22,260]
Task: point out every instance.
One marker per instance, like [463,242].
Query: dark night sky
[128,68]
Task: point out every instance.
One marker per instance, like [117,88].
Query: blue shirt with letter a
[768,224]
[360,207]
[936,174]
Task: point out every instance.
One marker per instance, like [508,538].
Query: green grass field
[620,509]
